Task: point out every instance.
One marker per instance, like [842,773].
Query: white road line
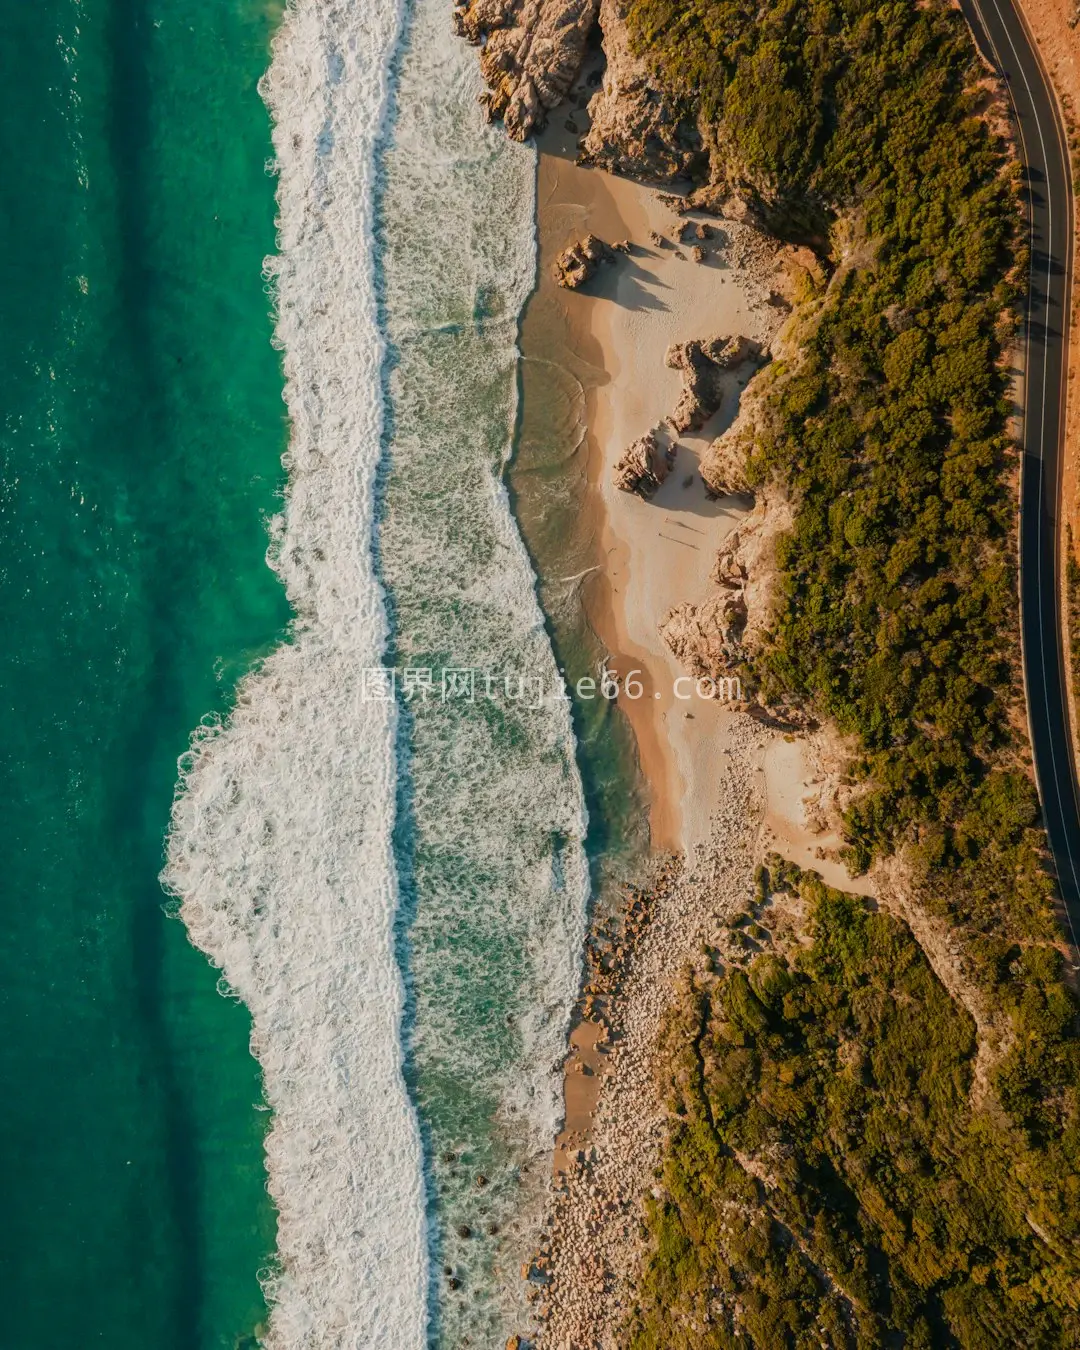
[1042,420]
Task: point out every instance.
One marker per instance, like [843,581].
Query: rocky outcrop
[635,128]
[702,364]
[746,563]
[706,639]
[644,466]
[532,52]
[723,466]
[711,639]
[575,265]
[729,570]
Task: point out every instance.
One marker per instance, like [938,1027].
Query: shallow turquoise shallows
[141,429]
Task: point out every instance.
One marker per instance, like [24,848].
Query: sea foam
[280,847]
[322,838]
[490,839]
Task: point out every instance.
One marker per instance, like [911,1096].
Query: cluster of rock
[644,466]
[724,464]
[592,1248]
[703,363]
[531,54]
[682,233]
[576,264]
[686,230]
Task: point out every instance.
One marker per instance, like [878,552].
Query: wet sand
[722,790]
[595,375]
[648,556]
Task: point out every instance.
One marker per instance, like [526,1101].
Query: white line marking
[1042,416]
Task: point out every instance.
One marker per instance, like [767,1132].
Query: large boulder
[644,466]
[576,264]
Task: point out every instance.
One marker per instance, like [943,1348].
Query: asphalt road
[1003,38]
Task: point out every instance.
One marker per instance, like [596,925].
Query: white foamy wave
[493,820]
[280,848]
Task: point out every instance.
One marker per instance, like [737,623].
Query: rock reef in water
[645,465]
[577,264]
[703,363]
[532,52]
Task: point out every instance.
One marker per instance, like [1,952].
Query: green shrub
[831,1179]
[905,1203]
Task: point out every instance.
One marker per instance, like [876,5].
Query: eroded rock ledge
[531,53]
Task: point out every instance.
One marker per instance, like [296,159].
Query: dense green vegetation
[831,1182]
[898,615]
[859,125]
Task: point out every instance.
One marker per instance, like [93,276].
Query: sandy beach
[653,554]
[722,789]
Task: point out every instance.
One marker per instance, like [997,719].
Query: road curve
[1004,39]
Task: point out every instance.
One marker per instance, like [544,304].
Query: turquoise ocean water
[397,893]
[141,428]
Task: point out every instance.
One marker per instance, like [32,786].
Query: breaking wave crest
[324,843]
[280,850]
[490,838]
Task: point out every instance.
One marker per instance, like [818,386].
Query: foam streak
[280,849]
[492,831]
